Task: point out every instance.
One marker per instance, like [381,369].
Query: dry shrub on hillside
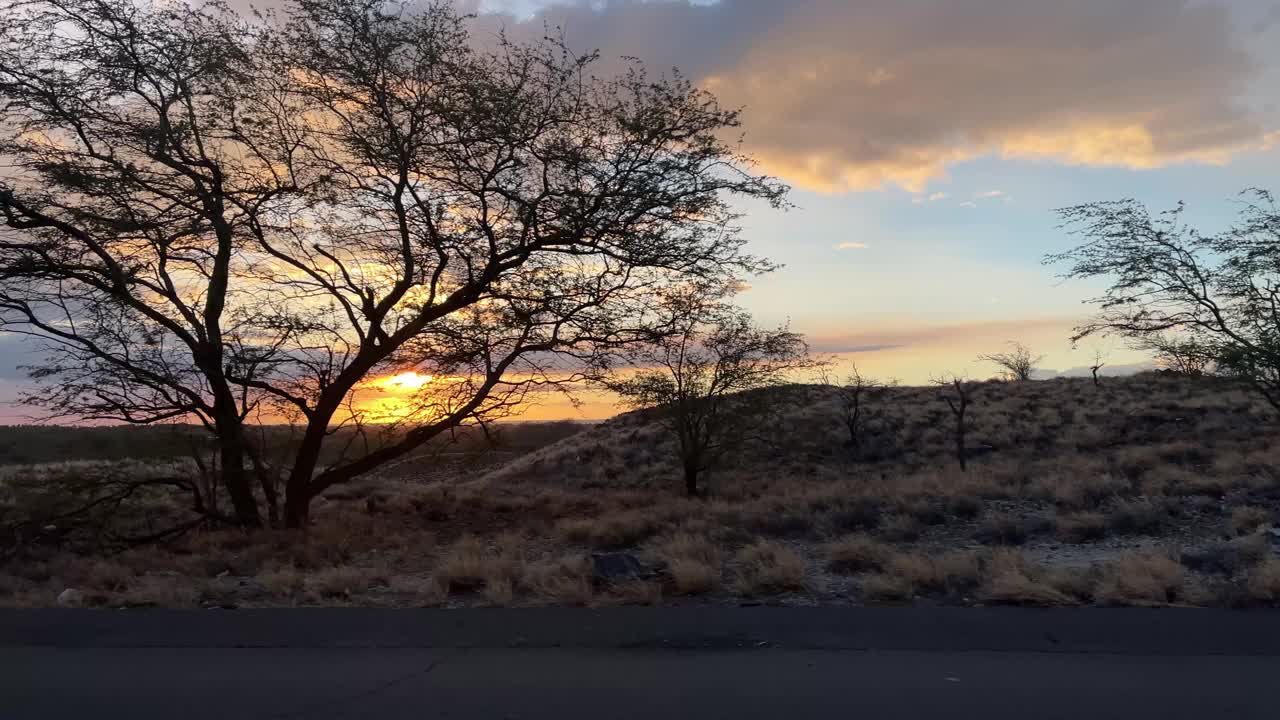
[770,568]
[343,581]
[693,562]
[612,532]
[563,581]
[1013,580]
[906,575]
[1264,583]
[857,553]
[1140,579]
[470,564]
[1248,519]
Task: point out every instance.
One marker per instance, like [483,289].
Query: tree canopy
[217,218]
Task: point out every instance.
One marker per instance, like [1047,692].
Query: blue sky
[934,140]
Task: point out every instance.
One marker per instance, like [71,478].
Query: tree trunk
[236,480]
[960,449]
[691,479]
[297,492]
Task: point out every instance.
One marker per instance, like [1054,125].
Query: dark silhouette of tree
[1182,355]
[958,394]
[218,220]
[1017,364]
[1213,300]
[852,394]
[711,382]
[1099,362]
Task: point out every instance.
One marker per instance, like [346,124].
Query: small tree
[1099,362]
[1185,356]
[958,394]
[851,396]
[1218,295]
[710,381]
[1017,364]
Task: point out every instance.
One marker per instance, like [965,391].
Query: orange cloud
[844,96]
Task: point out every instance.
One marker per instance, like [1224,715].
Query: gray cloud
[844,94]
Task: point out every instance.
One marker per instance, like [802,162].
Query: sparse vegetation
[1110,499]
[1018,364]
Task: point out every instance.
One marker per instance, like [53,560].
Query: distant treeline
[29,444]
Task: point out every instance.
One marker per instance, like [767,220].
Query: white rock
[70,597]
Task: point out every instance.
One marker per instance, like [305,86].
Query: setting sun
[406,381]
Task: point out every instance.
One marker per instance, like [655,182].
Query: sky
[928,143]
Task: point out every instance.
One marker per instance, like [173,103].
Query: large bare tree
[231,220]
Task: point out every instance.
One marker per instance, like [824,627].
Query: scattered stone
[70,597]
[615,568]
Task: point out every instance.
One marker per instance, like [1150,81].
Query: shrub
[768,568]
[883,588]
[1264,583]
[857,553]
[471,565]
[611,532]
[1248,519]
[1140,579]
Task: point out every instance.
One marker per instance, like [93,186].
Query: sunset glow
[406,381]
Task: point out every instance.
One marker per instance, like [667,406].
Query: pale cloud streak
[852,246]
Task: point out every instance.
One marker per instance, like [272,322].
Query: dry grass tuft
[1264,583]
[566,581]
[884,588]
[694,563]
[1140,579]
[472,565]
[612,532]
[770,568]
[857,553]
[636,593]
[342,581]
[1081,527]
[1249,519]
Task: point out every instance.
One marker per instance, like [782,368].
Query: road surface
[640,663]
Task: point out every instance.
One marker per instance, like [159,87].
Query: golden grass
[1264,583]
[857,553]
[1140,579]
[770,568]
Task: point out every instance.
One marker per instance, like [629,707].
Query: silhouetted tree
[221,221]
[1017,364]
[1216,296]
[958,394]
[851,396]
[1182,355]
[1099,362]
[710,382]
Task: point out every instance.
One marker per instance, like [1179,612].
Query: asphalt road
[636,663]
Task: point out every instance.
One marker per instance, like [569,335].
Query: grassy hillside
[1148,490]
